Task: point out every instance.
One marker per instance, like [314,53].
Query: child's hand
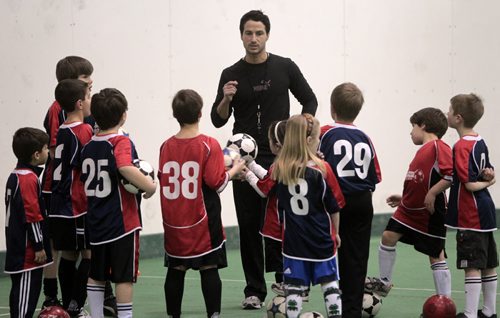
[148,195]
[488,174]
[320,155]
[429,200]
[337,238]
[236,170]
[40,257]
[394,200]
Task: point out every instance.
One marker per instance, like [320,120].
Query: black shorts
[217,257]
[428,245]
[476,250]
[69,234]
[117,261]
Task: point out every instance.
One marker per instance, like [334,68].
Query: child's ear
[309,139]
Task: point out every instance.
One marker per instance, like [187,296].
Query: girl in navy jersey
[309,199]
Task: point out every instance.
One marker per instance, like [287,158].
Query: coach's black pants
[355,230]
[24,293]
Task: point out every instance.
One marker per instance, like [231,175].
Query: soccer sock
[211,287]
[333,301]
[66,274]
[96,298]
[386,261]
[124,310]
[50,287]
[489,286]
[472,293]
[442,278]
[80,284]
[174,289]
[293,301]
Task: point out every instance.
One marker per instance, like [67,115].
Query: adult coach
[255,89]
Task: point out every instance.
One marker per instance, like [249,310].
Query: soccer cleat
[49,302]
[278,289]
[252,302]
[83,314]
[481,315]
[109,306]
[377,286]
[305,295]
[461,315]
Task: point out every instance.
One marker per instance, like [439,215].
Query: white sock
[386,261]
[95,295]
[124,310]
[333,301]
[293,301]
[442,278]
[489,286]
[472,293]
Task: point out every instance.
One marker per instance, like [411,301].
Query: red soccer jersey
[432,162]
[191,174]
[272,227]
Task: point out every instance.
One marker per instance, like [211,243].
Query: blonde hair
[290,164]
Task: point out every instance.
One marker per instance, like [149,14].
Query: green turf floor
[412,279]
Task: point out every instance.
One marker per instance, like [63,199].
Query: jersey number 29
[360,155]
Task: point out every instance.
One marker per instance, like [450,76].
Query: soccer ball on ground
[311,314]
[439,306]
[371,305]
[230,155]
[53,312]
[276,308]
[245,145]
[146,168]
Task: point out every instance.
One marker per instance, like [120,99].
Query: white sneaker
[252,302]
[278,289]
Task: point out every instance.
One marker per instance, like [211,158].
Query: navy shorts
[476,250]
[303,273]
[69,234]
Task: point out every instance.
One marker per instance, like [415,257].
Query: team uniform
[191,175]
[352,156]
[24,235]
[472,213]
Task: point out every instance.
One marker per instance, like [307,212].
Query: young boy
[471,210]
[420,213]
[192,174]
[114,215]
[28,249]
[351,154]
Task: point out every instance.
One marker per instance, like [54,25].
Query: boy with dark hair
[421,209]
[192,174]
[471,210]
[114,215]
[28,249]
[351,154]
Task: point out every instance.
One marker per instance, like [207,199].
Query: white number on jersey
[8,199]
[189,171]
[299,202]
[57,171]
[90,167]
[361,157]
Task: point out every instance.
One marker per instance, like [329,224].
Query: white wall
[404,55]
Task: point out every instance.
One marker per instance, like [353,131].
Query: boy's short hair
[255,15]
[434,120]
[346,101]
[68,92]
[186,106]
[107,107]
[469,106]
[73,67]
[27,141]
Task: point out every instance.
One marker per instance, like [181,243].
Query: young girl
[309,199]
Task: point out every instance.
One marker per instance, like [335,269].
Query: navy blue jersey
[308,232]
[351,154]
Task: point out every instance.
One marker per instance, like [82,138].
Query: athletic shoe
[461,315]
[83,314]
[252,302]
[109,306]
[278,289]
[377,286]
[49,301]
[305,294]
[481,315]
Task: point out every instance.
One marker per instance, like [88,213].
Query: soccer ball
[311,314]
[146,168]
[439,306]
[245,145]
[276,308]
[230,155]
[53,312]
[371,305]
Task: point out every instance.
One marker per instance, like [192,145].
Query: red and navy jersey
[308,232]
[191,174]
[431,163]
[113,212]
[351,154]
[467,210]
[68,198]
[24,220]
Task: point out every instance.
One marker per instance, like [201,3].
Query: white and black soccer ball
[311,314]
[276,308]
[245,145]
[371,305]
[230,155]
[146,168]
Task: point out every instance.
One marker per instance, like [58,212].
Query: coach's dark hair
[346,101]
[469,106]
[186,106]
[434,120]
[107,107]
[27,141]
[255,15]
[73,67]
[68,92]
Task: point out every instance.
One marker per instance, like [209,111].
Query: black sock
[81,279]
[174,290]
[66,274]
[50,287]
[278,276]
[211,287]
[108,290]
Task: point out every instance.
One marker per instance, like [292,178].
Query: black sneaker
[481,315]
[461,315]
[109,307]
[49,302]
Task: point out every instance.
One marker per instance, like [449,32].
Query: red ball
[53,312]
[439,306]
